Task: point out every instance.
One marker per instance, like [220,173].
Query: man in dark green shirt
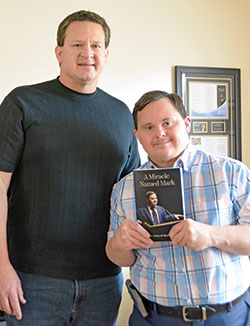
[63,144]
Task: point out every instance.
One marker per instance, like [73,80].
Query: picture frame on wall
[212,100]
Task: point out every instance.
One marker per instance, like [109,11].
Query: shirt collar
[187,158]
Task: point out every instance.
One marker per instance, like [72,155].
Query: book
[159,199]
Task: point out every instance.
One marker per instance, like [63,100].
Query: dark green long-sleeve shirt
[66,150]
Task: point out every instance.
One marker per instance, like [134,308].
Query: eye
[168,123]
[96,46]
[148,128]
[77,45]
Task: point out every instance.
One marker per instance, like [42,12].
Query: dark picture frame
[212,100]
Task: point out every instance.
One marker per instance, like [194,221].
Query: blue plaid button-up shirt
[216,192]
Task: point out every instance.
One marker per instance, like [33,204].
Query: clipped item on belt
[136,297]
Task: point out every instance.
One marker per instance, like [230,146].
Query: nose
[86,51]
[160,132]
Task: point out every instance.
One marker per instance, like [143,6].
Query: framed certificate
[212,99]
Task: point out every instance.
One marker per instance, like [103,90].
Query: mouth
[161,142]
[88,65]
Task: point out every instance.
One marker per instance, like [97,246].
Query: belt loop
[154,308]
[229,306]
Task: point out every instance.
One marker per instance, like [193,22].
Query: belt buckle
[203,313]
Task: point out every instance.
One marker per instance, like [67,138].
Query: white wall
[148,39]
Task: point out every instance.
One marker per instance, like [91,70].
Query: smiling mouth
[162,143]
[86,65]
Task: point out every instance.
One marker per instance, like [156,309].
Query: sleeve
[133,161]
[11,135]
[242,198]
[117,214]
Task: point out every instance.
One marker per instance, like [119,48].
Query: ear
[137,135]
[58,52]
[106,54]
[187,122]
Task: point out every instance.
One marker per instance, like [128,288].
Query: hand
[178,216]
[131,235]
[11,293]
[192,234]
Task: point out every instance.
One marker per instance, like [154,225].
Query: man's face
[153,201]
[162,132]
[83,56]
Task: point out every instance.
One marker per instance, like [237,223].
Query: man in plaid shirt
[202,275]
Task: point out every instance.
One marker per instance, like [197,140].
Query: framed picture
[212,99]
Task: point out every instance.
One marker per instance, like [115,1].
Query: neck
[80,87]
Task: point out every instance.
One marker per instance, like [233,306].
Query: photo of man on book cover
[153,213]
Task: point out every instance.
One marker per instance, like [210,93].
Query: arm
[230,237]
[133,161]
[11,293]
[124,234]
[129,236]
[198,236]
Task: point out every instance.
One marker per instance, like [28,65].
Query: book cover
[159,200]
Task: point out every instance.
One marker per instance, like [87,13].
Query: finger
[180,241]
[144,243]
[174,231]
[135,240]
[132,236]
[134,231]
[21,296]
[1,307]
[15,304]
[140,229]
[6,307]
[18,314]
[143,238]
[178,238]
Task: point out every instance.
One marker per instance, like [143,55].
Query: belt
[192,313]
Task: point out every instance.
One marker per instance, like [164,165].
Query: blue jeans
[60,302]
[239,315]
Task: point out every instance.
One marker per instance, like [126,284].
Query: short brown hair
[82,15]
[148,194]
[156,96]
